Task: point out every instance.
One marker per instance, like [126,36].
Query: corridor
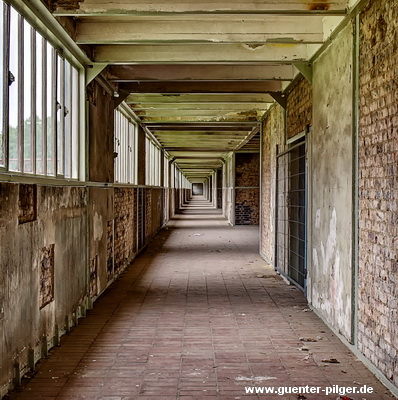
[198,315]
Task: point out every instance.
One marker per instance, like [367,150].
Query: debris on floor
[308,339]
[331,361]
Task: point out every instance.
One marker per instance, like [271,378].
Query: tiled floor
[198,316]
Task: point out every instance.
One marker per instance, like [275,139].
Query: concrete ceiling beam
[155,7]
[201,87]
[188,29]
[189,72]
[202,53]
[199,107]
[190,98]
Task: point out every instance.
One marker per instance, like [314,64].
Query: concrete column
[215,185]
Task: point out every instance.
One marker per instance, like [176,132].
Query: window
[2,87]
[125,148]
[153,163]
[166,182]
[40,121]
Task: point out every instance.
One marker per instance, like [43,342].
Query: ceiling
[201,74]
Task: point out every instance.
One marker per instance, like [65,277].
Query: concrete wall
[100,131]
[273,136]
[331,165]
[228,189]
[43,271]
[378,187]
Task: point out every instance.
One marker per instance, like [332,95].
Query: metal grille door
[290,249]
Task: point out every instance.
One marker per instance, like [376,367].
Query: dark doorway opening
[197,189]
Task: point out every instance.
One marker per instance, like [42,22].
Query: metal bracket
[119,99]
[280,98]
[93,70]
[305,68]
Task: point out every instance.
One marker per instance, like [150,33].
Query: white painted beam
[202,53]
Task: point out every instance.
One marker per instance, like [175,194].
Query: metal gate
[291,212]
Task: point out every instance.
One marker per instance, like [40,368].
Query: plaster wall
[273,136]
[330,196]
[42,272]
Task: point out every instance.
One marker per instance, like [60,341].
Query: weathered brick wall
[125,227]
[299,107]
[109,252]
[148,213]
[246,206]
[247,168]
[378,187]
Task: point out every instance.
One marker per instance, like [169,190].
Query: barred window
[40,102]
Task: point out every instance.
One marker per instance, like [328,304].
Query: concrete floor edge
[372,368]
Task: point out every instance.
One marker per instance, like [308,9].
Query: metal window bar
[4,85]
[290,236]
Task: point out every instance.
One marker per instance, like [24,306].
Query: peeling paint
[319,5]
[98,227]
[253,46]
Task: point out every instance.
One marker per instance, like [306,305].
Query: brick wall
[299,107]
[148,213]
[378,187]
[109,253]
[125,227]
[246,206]
[247,168]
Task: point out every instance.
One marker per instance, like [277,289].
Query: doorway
[291,214]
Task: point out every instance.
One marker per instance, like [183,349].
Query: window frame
[125,145]
[37,144]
